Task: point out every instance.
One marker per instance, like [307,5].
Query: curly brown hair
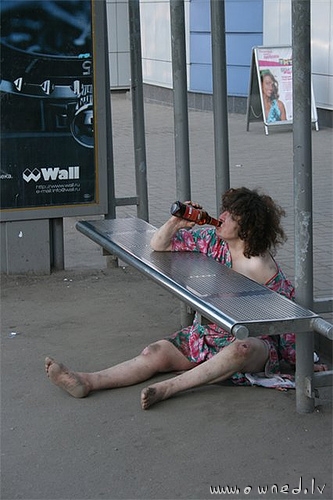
[259,220]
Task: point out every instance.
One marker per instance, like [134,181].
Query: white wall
[277,31]
[118,40]
[156,41]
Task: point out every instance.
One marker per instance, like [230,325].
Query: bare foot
[71,382]
[151,395]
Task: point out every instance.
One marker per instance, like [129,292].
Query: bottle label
[192,214]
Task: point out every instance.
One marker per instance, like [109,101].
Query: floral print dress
[200,342]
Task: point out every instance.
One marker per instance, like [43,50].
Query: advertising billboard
[50,162]
[274,68]
[271,87]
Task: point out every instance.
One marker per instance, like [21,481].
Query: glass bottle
[190,213]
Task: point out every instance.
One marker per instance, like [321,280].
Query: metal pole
[180,109]
[177,18]
[301,40]
[111,214]
[220,102]
[137,109]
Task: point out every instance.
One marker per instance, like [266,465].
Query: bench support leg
[305,399]
[111,260]
[186,315]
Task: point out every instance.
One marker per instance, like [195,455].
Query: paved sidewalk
[249,440]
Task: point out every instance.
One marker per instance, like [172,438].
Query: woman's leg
[248,355]
[162,356]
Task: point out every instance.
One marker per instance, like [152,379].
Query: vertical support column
[104,81]
[137,109]
[220,102]
[57,243]
[111,214]
[301,41]
[180,107]
[177,18]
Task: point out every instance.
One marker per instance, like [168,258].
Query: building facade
[248,23]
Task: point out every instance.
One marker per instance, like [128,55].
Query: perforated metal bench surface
[222,295]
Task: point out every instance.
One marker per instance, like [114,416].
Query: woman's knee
[166,356]
[157,353]
[243,348]
[153,349]
[252,353]
[246,349]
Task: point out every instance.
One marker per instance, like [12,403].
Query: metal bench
[223,296]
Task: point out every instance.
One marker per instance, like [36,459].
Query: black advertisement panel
[47,115]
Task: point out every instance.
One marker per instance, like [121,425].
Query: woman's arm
[161,241]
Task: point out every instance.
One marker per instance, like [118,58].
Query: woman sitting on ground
[245,241]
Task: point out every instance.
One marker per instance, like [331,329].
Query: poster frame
[255,101]
[102,116]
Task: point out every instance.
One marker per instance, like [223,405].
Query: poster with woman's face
[275,77]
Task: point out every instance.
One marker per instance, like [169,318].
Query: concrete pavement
[250,442]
